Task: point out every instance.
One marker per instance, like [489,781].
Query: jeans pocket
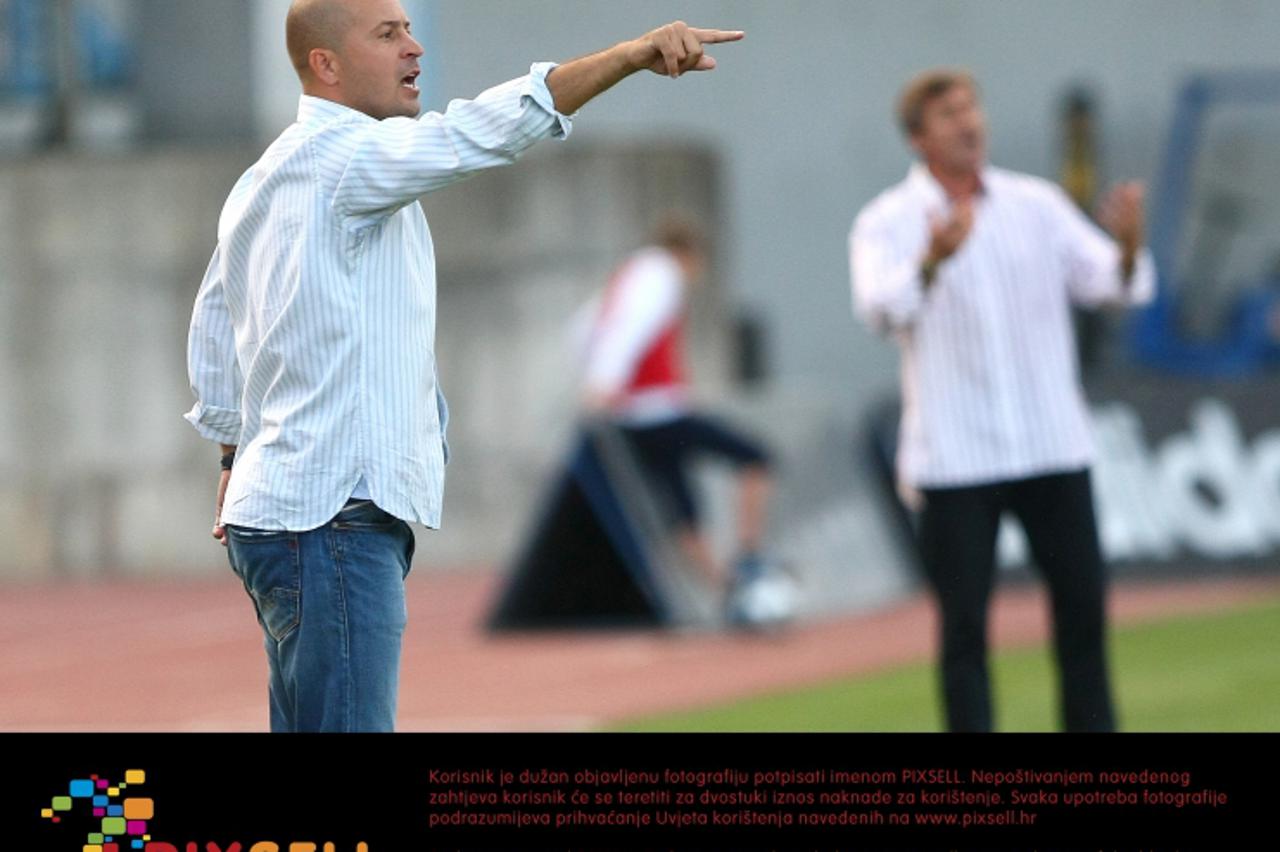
[410,546]
[268,563]
[278,611]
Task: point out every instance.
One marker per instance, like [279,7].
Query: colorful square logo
[109,819]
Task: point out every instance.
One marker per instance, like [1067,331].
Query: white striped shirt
[990,381]
[311,343]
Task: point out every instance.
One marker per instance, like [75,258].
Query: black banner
[261,793]
[1186,476]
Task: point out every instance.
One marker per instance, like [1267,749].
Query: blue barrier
[27,54]
[1246,344]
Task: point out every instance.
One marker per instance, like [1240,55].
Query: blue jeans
[332,608]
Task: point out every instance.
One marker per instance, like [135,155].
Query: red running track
[186,656]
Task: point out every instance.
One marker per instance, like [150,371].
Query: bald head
[358,53]
[313,24]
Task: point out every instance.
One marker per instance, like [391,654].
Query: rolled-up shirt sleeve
[377,167]
[1092,260]
[212,367]
[888,289]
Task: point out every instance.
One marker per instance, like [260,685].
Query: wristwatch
[928,272]
[228,459]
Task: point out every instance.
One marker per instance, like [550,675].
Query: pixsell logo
[118,820]
[116,815]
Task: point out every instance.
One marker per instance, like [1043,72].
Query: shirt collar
[923,180]
[313,110]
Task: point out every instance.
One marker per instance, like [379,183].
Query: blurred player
[311,344]
[637,378]
[973,270]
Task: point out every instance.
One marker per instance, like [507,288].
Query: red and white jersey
[635,344]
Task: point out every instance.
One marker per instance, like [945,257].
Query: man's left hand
[219,530]
[1122,212]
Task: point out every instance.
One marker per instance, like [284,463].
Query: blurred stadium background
[124,122]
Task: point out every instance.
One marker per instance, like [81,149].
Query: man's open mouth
[410,80]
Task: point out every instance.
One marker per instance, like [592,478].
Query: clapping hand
[946,235]
[1122,212]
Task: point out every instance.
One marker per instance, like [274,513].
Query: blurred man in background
[311,341]
[973,270]
[636,377]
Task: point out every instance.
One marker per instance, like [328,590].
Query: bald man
[311,344]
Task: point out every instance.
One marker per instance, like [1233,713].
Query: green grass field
[1218,672]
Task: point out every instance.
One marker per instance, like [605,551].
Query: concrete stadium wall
[102,258]
[195,69]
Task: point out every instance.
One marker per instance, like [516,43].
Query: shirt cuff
[536,89]
[216,424]
[911,302]
[1142,283]
[903,308]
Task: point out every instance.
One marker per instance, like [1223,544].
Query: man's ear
[324,66]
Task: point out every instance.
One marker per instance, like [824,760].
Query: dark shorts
[665,452]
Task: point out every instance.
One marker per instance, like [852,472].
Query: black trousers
[958,540]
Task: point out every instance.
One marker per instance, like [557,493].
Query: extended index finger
[716,36]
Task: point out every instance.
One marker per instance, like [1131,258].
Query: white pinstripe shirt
[311,343]
[989,370]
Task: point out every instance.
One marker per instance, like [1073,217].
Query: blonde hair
[924,87]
